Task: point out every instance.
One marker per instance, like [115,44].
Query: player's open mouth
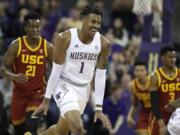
[93,31]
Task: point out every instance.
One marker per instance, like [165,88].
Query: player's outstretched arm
[133,109]
[8,61]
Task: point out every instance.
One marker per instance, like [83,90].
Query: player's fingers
[36,112]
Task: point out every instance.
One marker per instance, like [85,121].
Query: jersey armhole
[45,48]
[19,46]
[159,78]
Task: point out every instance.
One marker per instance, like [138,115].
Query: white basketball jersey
[81,58]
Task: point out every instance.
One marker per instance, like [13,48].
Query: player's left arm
[100,75]
[104,54]
[100,79]
[154,93]
[133,107]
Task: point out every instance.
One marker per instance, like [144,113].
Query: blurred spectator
[115,107]
[88,119]
[106,14]
[56,13]
[74,20]
[62,25]
[33,5]
[4,120]
[123,12]
[18,27]
[120,33]
[133,49]
[4,24]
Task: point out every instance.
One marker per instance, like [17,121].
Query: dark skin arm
[171,106]
[102,64]
[62,42]
[133,108]
[154,87]
[8,60]
[103,56]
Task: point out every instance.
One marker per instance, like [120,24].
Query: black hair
[32,15]
[140,63]
[166,49]
[90,9]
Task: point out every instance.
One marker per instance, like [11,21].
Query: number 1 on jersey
[82,67]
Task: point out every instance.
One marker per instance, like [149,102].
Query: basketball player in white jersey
[77,52]
[173,125]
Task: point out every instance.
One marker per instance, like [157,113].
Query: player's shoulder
[154,76]
[15,43]
[14,47]
[63,39]
[105,43]
[49,44]
[104,40]
[64,35]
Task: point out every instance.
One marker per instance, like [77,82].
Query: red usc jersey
[142,95]
[32,63]
[169,89]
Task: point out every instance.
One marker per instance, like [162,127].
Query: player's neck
[169,70]
[84,37]
[32,41]
[142,81]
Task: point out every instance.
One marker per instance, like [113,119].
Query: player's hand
[131,122]
[162,127]
[170,107]
[43,108]
[20,78]
[162,130]
[104,119]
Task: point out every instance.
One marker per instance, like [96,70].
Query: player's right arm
[8,61]
[133,108]
[62,42]
[171,106]
[155,102]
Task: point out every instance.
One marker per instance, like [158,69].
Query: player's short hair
[166,49]
[90,9]
[140,63]
[31,16]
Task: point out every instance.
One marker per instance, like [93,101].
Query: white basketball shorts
[71,97]
[174,123]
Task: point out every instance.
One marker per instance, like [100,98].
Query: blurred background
[132,37]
